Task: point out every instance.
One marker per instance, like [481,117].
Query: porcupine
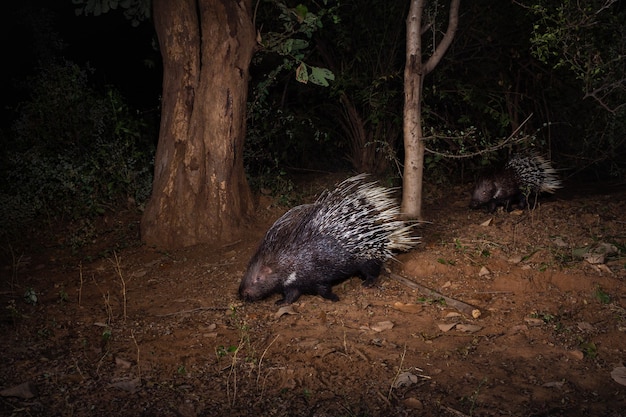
[349,231]
[523,176]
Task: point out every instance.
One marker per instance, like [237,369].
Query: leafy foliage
[282,130]
[587,39]
[136,11]
[365,51]
[585,42]
[291,39]
[74,153]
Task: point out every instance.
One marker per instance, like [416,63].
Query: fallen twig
[258,376]
[455,412]
[193,310]
[465,308]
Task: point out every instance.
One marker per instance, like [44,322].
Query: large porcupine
[523,176]
[347,232]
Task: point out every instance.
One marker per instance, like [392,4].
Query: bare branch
[463,307]
[453,23]
[511,139]
[599,94]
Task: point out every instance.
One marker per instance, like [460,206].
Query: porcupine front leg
[291,295]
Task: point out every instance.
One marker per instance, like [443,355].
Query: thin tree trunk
[200,193]
[412,120]
[414,73]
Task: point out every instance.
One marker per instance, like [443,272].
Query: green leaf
[321,76]
[285,48]
[301,11]
[291,45]
[299,44]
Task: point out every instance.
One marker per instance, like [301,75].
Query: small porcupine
[347,232]
[522,176]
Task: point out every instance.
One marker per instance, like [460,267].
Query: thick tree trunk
[200,193]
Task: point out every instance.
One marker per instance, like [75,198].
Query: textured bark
[414,73]
[200,193]
[412,122]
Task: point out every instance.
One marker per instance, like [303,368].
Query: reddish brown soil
[158,333]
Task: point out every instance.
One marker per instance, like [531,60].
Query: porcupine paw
[327,293]
[369,283]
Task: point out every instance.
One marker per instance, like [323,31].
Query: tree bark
[412,122]
[200,193]
[414,73]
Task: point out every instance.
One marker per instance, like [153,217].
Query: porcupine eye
[263,273]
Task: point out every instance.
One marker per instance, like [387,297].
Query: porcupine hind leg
[326,291]
[369,271]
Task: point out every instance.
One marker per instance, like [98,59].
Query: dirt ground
[143,332]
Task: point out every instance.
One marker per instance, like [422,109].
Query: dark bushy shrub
[73,152]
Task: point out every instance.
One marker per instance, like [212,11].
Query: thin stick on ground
[464,308]
[14,267]
[193,310]
[233,372]
[132,336]
[395,378]
[107,301]
[261,359]
[118,270]
[455,412]
[80,288]
[258,377]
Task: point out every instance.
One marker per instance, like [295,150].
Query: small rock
[405,379]
[128,386]
[139,273]
[122,362]
[584,326]
[413,403]
[25,390]
[407,308]
[469,328]
[554,384]
[577,354]
[382,326]
[619,375]
[532,321]
[518,329]
[309,343]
